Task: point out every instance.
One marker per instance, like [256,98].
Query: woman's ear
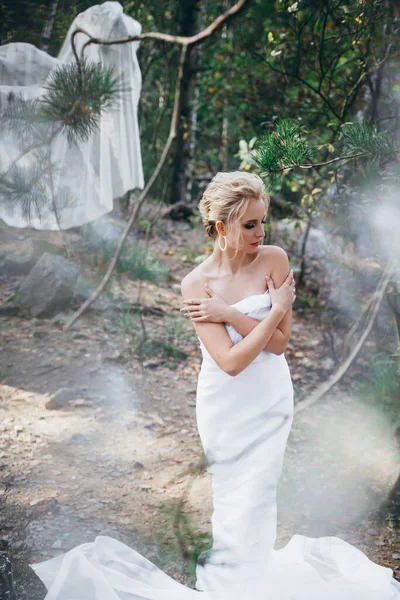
[219,226]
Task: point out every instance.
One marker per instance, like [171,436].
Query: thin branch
[143,195]
[325,387]
[166,37]
[329,162]
[311,87]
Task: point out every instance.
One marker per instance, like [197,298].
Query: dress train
[244,423]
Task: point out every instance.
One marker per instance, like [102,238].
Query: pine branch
[78,111]
[286,148]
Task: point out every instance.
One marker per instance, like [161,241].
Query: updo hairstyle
[225,199]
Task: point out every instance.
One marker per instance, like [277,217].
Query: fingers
[193,301]
[192,311]
[270,282]
[191,308]
[290,278]
[196,317]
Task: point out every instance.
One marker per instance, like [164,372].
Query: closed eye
[250,225]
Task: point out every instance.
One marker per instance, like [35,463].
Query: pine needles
[362,137]
[284,148]
[76,98]
[287,148]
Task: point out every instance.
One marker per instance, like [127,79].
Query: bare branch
[143,195]
[329,162]
[325,387]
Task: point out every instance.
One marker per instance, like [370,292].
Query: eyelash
[251,226]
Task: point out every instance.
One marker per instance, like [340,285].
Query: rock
[61,399]
[60,319]
[18,258]
[49,286]
[81,402]
[80,335]
[9,308]
[46,364]
[57,545]
[178,212]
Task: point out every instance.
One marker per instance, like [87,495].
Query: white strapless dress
[244,423]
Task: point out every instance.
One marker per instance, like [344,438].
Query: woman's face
[251,225]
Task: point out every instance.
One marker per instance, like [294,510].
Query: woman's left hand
[210,310]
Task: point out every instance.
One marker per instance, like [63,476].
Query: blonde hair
[226,198]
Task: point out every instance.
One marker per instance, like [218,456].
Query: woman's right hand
[285,295]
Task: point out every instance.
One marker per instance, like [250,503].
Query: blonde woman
[244,412]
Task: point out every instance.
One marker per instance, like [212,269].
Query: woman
[244,413]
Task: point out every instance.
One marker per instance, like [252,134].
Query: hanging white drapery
[87,176]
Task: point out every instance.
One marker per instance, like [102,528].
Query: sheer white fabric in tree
[84,178]
[244,423]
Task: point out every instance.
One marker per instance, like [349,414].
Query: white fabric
[109,163]
[244,423]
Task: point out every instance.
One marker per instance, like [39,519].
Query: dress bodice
[256,306]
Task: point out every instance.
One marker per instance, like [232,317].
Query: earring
[219,243]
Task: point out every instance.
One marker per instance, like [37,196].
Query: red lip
[256,244]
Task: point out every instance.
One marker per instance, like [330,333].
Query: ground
[116,452]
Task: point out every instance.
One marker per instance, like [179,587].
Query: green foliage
[76,111]
[137,264]
[383,385]
[287,148]
[363,137]
[35,123]
[187,544]
[143,343]
[162,348]
[175,329]
[28,181]
[122,320]
[173,351]
[23,118]
[192,254]
[310,62]
[284,148]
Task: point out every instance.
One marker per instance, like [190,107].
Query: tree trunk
[48,28]
[189,172]
[189,24]
[223,154]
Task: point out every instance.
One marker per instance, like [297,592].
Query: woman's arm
[231,358]
[244,324]
[234,358]
[278,342]
[216,310]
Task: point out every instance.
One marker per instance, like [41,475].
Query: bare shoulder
[275,261]
[193,283]
[274,254]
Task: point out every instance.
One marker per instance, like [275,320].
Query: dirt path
[117,454]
